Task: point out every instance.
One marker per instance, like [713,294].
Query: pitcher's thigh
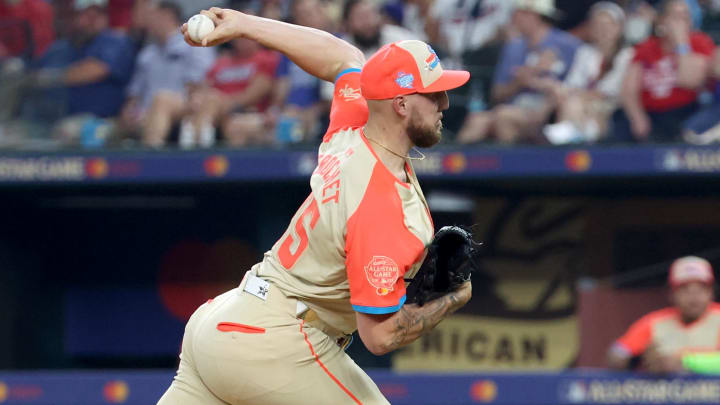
[188,389]
[340,381]
[326,375]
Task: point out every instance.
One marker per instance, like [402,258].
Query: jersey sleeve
[637,338]
[374,270]
[349,108]
[379,248]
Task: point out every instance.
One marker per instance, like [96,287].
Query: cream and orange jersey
[359,233]
[665,329]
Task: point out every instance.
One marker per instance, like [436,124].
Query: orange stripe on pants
[317,359]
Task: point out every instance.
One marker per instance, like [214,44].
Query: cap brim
[679,283]
[450,79]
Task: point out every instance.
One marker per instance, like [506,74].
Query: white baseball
[199,26]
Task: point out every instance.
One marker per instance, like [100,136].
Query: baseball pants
[241,349]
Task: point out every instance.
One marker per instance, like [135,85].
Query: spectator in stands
[575,16]
[529,68]
[467,34]
[132,17]
[238,91]
[591,91]
[457,27]
[668,71]
[393,12]
[680,337]
[273,9]
[366,29]
[640,19]
[703,128]
[26,28]
[26,31]
[642,15]
[299,104]
[94,65]
[120,14]
[163,69]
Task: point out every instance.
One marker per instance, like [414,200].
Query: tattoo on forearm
[413,321]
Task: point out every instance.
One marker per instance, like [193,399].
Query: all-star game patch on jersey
[359,233]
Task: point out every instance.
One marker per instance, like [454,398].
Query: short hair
[172,8]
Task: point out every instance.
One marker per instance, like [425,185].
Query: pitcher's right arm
[319,53]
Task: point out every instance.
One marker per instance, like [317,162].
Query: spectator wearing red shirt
[662,84]
[238,91]
[17,17]
[120,14]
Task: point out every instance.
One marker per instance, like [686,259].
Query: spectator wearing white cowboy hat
[529,66]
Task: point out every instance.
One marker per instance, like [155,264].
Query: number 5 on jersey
[296,241]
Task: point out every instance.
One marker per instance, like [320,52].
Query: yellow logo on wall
[3,392]
[466,342]
[522,314]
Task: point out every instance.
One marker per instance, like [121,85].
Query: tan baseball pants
[241,349]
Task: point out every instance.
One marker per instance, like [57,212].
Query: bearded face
[422,132]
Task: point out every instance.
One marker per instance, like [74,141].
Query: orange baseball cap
[688,269]
[407,67]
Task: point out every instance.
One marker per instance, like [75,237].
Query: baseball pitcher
[343,261]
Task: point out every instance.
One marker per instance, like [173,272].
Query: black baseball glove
[450,259]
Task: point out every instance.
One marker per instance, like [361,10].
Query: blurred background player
[682,336]
[341,264]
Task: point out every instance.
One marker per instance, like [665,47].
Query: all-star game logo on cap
[405,80]
[432,61]
[407,67]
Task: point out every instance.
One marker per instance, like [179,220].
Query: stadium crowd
[117,72]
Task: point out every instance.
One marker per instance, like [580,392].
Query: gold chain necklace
[421,157]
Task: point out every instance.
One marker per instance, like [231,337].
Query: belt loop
[300,309]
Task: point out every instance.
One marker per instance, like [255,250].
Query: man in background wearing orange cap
[685,337]
[341,266]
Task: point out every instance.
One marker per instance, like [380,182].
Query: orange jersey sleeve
[349,108]
[638,337]
[379,247]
